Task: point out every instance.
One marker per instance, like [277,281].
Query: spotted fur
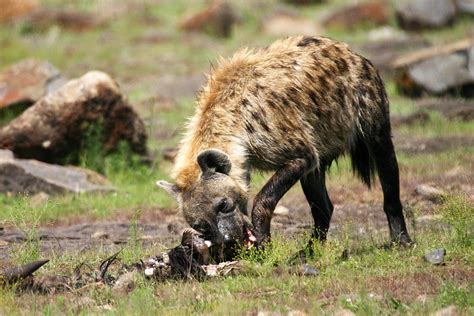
[292,107]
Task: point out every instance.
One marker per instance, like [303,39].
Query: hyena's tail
[363,162]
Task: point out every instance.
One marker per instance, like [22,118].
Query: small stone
[39,199]
[350,16]
[451,310]
[126,282]
[4,243]
[100,235]
[296,313]
[429,192]
[82,302]
[169,153]
[284,24]
[343,312]
[386,33]
[281,210]
[307,270]
[428,218]
[146,237]
[217,19]
[436,256]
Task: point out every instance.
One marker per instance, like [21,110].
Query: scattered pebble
[307,270]
[451,310]
[125,283]
[4,243]
[281,210]
[100,235]
[296,313]
[39,199]
[429,192]
[343,312]
[435,256]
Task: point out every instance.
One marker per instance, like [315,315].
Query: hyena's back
[302,97]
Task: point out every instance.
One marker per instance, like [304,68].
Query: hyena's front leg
[268,197]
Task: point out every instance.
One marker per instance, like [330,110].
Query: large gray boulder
[438,70]
[418,14]
[440,73]
[19,176]
[56,127]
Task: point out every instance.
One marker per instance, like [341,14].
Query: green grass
[372,280]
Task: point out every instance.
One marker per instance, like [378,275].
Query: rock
[28,81]
[100,235]
[451,310]
[296,313]
[438,74]
[169,153]
[55,127]
[281,210]
[429,218]
[436,256]
[384,48]
[429,192]
[438,70]
[72,20]
[419,14]
[386,33]
[4,243]
[343,312]
[350,16]
[38,199]
[465,6]
[307,270]
[20,176]
[82,302]
[126,282]
[304,2]
[217,19]
[13,9]
[287,24]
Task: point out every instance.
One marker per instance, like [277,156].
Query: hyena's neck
[216,134]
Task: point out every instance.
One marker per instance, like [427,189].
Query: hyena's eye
[223,206]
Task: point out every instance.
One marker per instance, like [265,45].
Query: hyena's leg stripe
[268,197]
[314,188]
[387,168]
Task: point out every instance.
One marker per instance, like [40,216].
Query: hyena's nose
[228,241]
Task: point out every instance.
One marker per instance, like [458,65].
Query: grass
[373,280]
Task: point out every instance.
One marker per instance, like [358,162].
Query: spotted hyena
[292,108]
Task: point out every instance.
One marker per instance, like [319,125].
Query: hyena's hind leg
[314,188]
[387,168]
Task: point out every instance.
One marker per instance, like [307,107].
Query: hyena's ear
[214,160]
[172,189]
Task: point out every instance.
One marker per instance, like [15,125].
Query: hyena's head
[215,205]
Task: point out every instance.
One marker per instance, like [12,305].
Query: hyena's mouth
[249,238]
